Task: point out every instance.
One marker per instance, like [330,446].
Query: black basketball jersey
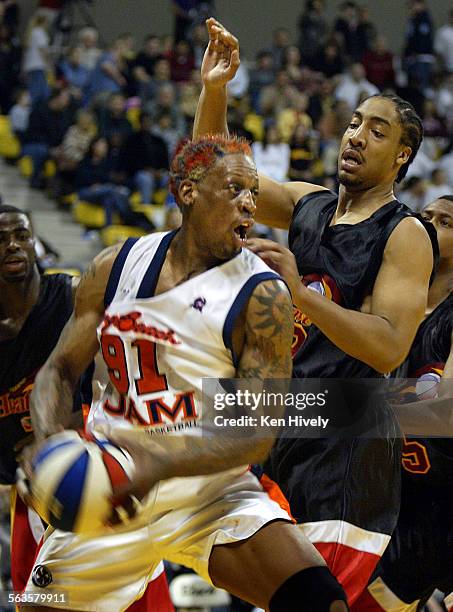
[429,461]
[341,262]
[22,357]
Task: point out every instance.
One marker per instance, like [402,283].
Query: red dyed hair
[195,157]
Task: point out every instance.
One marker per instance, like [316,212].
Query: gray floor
[51,224]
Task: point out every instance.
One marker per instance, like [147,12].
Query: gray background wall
[252,20]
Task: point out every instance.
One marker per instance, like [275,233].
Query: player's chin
[349,180]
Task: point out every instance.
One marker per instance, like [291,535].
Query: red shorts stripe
[24,546]
[352,568]
[156,598]
[366,603]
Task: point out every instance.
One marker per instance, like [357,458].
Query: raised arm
[221,60]
[55,384]
[382,333]
[266,354]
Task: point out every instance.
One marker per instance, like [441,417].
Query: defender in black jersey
[33,311]
[419,557]
[369,261]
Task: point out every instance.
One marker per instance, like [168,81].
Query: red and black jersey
[429,461]
[22,357]
[341,262]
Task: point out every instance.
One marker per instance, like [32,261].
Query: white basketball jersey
[157,349]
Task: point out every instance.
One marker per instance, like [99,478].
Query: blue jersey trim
[149,281]
[116,270]
[238,304]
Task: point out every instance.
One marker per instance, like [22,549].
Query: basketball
[427,386]
[73,478]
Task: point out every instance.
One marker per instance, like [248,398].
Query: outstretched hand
[221,58]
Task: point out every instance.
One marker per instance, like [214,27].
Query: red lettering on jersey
[415,457]
[129,322]
[183,401]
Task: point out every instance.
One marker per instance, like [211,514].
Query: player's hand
[281,260]
[126,498]
[221,58]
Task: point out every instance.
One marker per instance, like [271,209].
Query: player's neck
[442,285]
[17,299]
[187,258]
[363,203]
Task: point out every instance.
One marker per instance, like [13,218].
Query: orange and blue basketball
[73,479]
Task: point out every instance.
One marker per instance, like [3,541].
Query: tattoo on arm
[268,334]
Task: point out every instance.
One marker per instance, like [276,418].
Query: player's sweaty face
[226,205]
[17,248]
[370,145]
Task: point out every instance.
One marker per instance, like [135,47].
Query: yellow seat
[25,166]
[9,144]
[91,216]
[70,271]
[68,199]
[133,115]
[119,233]
[50,169]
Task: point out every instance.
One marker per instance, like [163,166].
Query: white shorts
[184,518]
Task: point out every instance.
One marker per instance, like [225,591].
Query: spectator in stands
[292,64]
[445,163]
[19,114]
[281,39]
[10,16]
[199,40]
[443,44]
[113,122]
[437,186]
[73,149]
[366,30]
[162,76]
[189,94]
[36,60]
[289,117]
[143,161]
[418,50]
[272,155]
[413,193]
[47,126]
[329,59]
[189,13]
[313,30]
[277,96]
[302,154]
[164,129]
[10,60]
[90,53]
[145,62]
[353,85]
[107,77]
[74,73]
[378,64]
[94,182]
[433,125]
[165,103]
[238,86]
[444,101]
[346,29]
[182,62]
[261,76]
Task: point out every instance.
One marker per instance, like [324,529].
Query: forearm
[366,337]
[51,400]
[210,117]
[183,456]
[432,417]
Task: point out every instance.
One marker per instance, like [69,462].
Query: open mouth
[241,231]
[351,158]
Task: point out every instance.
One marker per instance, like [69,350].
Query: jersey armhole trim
[149,281]
[238,304]
[117,268]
